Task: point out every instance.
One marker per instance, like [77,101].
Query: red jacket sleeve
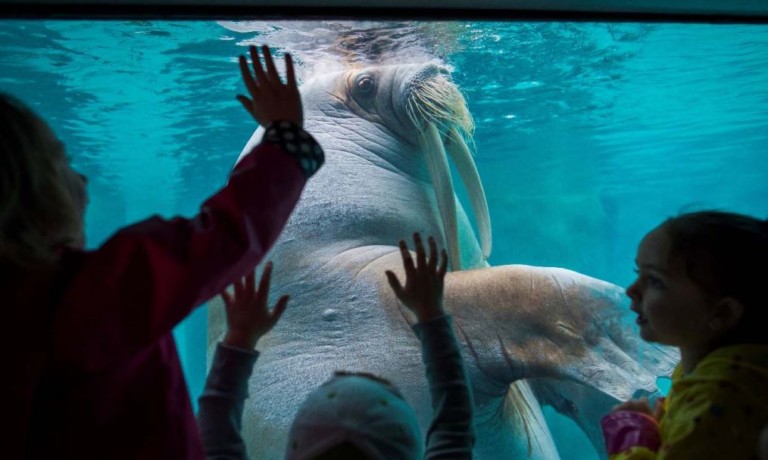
[134,289]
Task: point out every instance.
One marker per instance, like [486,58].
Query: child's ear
[728,312]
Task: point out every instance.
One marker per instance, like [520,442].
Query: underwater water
[587,135]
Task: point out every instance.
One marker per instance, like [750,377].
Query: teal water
[587,134]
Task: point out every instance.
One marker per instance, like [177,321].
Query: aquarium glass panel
[585,136]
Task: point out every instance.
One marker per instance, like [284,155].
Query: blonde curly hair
[39,211]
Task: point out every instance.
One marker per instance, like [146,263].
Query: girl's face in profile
[672,309]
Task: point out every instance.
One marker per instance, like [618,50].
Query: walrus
[388,131]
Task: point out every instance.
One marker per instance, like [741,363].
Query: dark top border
[210,12]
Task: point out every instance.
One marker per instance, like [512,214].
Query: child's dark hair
[726,254]
[37,211]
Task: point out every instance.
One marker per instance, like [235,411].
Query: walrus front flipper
[562,331]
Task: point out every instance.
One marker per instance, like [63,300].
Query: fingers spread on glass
[269,100]
[248,315]
[422,291]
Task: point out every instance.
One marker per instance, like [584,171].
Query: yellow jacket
[715,412]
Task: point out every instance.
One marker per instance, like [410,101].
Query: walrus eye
[364,84]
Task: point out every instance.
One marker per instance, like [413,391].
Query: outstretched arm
[226,389]
[152,274]
[451,433]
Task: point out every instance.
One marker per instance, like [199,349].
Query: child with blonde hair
[701,288]
[94,372]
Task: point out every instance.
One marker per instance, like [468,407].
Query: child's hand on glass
[270,100]
[644,406]
[248,316]
[423,291]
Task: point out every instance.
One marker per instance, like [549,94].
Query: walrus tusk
[462,158]
[440,173]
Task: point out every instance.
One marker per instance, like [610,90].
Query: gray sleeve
[451,433]
[220,410]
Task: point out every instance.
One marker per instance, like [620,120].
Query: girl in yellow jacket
[701,287]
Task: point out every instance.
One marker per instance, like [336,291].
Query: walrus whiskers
[439,101]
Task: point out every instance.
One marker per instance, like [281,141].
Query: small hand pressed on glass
[424,280]
[270,99]
[248,316]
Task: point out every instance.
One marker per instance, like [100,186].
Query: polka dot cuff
[297,143]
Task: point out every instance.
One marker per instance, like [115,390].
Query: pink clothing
[624,430]
[93,367]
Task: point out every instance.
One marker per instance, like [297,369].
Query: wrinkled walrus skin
[554,328]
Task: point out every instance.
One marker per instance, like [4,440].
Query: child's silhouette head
[42,199]
[355,416]
[700,281]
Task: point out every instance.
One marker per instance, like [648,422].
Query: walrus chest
[378,206]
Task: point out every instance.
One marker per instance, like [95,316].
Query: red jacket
[90,359]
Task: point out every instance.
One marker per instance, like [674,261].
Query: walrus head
[421,105]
